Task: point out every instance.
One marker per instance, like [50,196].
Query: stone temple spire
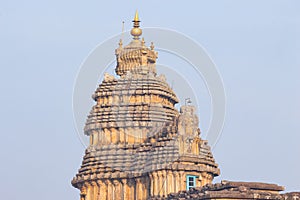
[136,31]
[136,57]
[140,145]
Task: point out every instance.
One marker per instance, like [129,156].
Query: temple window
[190,181]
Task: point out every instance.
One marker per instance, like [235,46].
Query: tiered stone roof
[134,100]
[121,161]
[135,129]
[140,104]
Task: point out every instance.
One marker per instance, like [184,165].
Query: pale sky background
[255,45]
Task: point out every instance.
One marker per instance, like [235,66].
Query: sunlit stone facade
[141,146]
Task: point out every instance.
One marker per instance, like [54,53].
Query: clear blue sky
[255,45]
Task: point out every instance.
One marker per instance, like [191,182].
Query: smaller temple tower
[141,146]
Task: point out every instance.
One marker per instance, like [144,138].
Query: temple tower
[141,146]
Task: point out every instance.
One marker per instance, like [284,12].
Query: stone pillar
[107,136]
[126,189]
[177,181]
[89,191]
[146,187]
[102,190]
[182,181]
[113,136]
[170,186]
[164,183]
[110,191]
[147,99]
[151,185]
[122,135]
[117,190]
[132,191]
[139,190]
[95,190]
[160,183]
[155,183]
[98,190]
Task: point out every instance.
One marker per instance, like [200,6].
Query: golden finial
[136,31]
[136,16]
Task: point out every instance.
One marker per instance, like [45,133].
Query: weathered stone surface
[140,145]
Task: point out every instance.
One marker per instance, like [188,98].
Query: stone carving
[188,121]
